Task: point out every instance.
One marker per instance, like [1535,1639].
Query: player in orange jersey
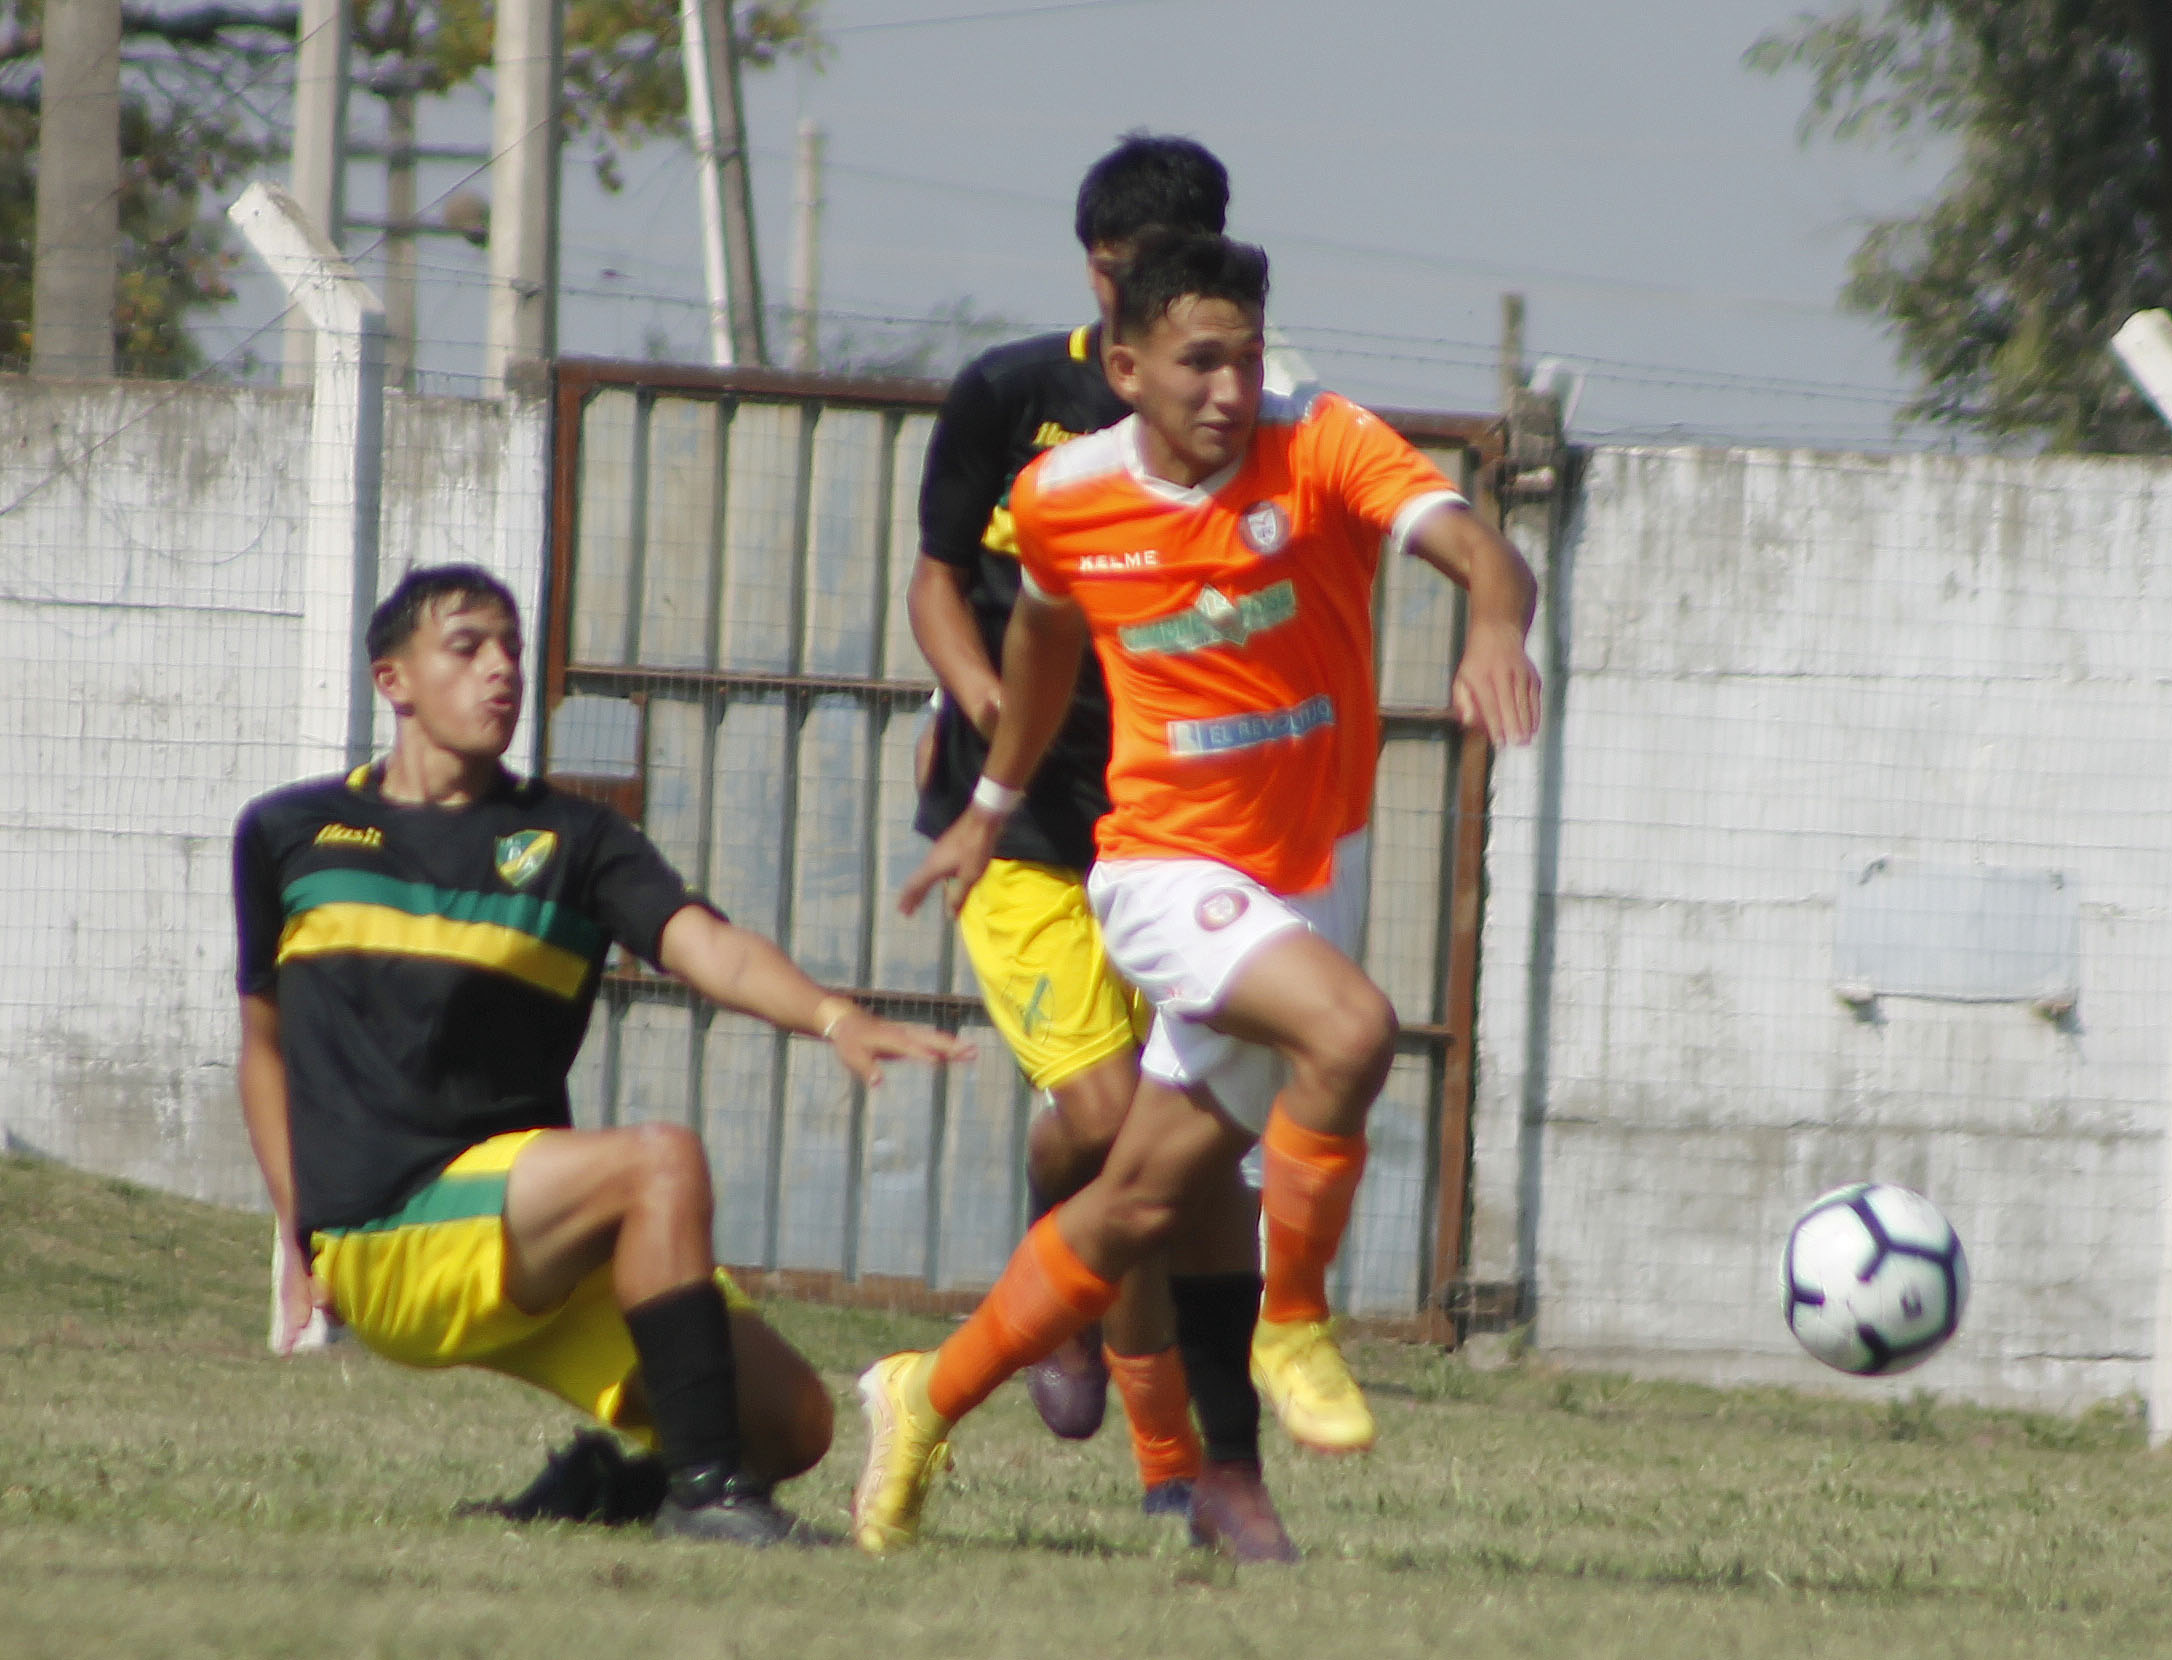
[1073,1025]
[1220,555]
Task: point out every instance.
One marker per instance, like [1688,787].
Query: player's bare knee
[813,1422]
[1349,1048]
[1145,1204]
[1144,1220]
[669,1164]
[1093,1106]
[795,1436]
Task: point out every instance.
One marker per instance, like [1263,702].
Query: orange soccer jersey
[1234,626]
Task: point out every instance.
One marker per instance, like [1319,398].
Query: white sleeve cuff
[1034,590]
[1417,508]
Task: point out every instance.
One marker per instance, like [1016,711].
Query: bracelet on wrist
[999,799]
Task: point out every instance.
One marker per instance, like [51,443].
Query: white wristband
[999,799]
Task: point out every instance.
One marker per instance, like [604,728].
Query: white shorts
[1179,929]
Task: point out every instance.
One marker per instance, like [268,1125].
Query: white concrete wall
[1779,666]
[1765,669]
[149,541]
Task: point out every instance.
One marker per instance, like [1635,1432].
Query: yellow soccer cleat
[906,1448]
[1305,1379]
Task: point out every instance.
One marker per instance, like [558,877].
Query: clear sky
[1403,162]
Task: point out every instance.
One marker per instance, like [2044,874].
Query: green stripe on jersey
[448,1199]
[524,913]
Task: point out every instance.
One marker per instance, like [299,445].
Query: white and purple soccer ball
[1874,1279]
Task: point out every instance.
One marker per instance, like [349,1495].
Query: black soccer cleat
[724,1506]
[1070,1388]
[1167,1498]
[591,1480]
[1232,1513]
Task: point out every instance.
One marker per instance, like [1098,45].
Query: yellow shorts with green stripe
[1036,950]
[426,1286]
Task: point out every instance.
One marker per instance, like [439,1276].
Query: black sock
[1215,1314]
[684,1339]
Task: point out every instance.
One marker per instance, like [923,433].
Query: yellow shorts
[1045,979]
[426,1286]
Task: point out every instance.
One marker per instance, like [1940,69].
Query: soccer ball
[1874,1279]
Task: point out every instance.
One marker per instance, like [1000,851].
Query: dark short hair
[1168,266]
[398,615]
[1151,179]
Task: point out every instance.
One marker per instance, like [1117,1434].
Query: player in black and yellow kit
[420,946]
[1072,1022]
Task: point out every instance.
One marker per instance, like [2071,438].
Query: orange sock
[1043,1295]
[1310,1180]
[1159,1406]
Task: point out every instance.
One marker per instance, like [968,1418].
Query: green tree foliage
[205,89]
[623,76]
[2056,222]
[179,141]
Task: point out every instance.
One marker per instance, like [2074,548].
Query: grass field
[168,1489]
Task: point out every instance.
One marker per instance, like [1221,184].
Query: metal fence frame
[1450,1304]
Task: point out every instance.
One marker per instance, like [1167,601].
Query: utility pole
[523,324]
[319,170]
[807,247]
[400,262]
[1511,351]
[79,186]
[710,50]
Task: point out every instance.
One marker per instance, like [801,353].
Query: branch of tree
[2154,24]
[206,25]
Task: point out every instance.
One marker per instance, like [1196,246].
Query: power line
[1004,15]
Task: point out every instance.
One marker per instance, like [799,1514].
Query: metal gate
[729,662]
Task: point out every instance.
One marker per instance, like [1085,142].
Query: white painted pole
[2160,1362]
[523,317]
[346,474]
[319,168]
[709,186]
[807,246]
[2144,345]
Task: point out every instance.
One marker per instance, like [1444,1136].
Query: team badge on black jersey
[522,855]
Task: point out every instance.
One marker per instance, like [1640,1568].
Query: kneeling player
[420,946]
[1221,557]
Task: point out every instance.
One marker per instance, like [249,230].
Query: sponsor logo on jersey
[1213,619]
[1224,733]
[523,854]
[348,835]
[1220,908]
[1264,527]
[1144,559]
[1048,435]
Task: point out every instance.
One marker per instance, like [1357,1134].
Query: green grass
[166,1488]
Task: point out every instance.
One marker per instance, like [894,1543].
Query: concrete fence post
[2160,1360]
[346,474]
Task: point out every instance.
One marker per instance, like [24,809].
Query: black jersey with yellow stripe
[434,968]
[1005,408]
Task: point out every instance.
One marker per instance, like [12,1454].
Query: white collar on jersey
[1184,495]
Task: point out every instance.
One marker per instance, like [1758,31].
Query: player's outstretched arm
[1041,652]
[741,970]
[1496,686]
